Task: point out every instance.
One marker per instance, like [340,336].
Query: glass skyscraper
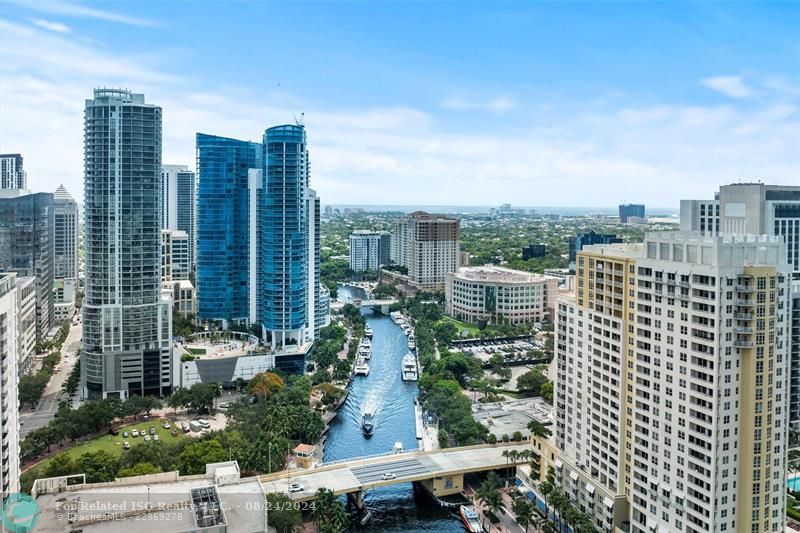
[127,324]
[223,227]
[258,238]
[27,237]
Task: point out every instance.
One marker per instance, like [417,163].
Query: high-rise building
[26,324]
[533,251]
[752,208]
[9,385]
[258,239]
[369,250]
[670,396]
[66,235]
[12,175]
[27,236]
[586,239]
[175,258]
[428,246]
[758,209]
[178,205]
[228,231]
[127,321]
[499,295]
[631,211]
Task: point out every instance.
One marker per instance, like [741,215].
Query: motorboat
[368,331]
[362,368]
[396,316]
[412,345]
[364,352]
[470,518]
[367,424]
[398,447]
[409,367]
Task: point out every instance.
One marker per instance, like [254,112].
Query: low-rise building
[184,298]
[499,295]
[533,251]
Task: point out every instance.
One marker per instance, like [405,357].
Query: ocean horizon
[476,209]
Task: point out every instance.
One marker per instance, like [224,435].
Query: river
[396,508]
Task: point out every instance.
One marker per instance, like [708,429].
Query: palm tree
[584,523]
[523,510]
[217,392]
[546,490]
[323,505]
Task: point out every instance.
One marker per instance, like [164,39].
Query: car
[124,434]
[295,487]
[135,433]
[58,368]
[155,438]
[113,431]
[126,445]
[152,431]
[165,425]
[388,475]
[185,428]
[147,438]
[224,405]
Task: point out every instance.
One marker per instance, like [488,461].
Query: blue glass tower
[283,296]
[224,226]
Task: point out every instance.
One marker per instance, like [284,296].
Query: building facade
[671,391]
[175,255]
[127,322]
[9,386]
[499,295]
[178,204]
[587,239]
[533,251]
[631,211]
[66,234]
[227,228]
[369,250]
[12,173]
[427,245]
[26,324]
[27,235]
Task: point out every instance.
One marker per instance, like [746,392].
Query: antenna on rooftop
[291,109]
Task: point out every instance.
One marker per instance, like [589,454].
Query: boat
[409,367]
[396,316]
[470,518]
[368,331]
[364,352]
[412,345]
[365,342]
[406,329]
[362,368]
[367,424]
[398,447]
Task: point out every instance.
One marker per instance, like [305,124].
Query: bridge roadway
[366,303]
[359,474]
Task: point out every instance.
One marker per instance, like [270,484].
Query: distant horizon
[472,209]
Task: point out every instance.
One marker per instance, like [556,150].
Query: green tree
[524,511]
[328,512]
[538,429]
[99,466]
[140,469]
[532,382]
[194,458]
[282,514]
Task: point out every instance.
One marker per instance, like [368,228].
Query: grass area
[196,351]
[113,444]
[463,326]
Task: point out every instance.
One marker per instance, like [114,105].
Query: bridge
[382,304]
[441,472]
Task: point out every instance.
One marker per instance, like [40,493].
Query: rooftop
[505,418]
[499,274]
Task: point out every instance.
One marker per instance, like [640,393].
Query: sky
[428,103]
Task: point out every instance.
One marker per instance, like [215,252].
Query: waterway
[383,392]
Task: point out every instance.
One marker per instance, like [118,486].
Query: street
[33,419]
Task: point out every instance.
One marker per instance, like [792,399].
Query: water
[391,400]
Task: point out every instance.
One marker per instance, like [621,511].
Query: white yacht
[362,368]
[396,316]
[364,352]
[409,367]
[368,331]
[412,344]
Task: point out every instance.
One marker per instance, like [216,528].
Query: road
[44,412]
[356,474]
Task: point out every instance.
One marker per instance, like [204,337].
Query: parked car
[165,425]
[155,438]
[124,434]
[185,428]
[205,423]
[152,431]
[147,438]
[135,433]
[126,445]
[295,487]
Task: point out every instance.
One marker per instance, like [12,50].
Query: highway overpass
[440,471]
[382,304]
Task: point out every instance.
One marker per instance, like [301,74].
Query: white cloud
[398,154]
[731,86]
[51,26]
[68,9]
[498,104]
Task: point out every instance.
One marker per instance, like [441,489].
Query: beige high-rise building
[671,396]
[428,246]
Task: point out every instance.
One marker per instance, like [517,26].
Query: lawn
[113,444]
[465,326]
[196,351]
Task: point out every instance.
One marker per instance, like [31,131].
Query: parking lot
[513,351]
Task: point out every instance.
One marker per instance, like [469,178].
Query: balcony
[743,330]
[745,288]
[745,303]
[743,316]
[743,344]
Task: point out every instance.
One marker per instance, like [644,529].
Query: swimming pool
[793,483]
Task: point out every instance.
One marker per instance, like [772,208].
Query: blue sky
[533,103]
